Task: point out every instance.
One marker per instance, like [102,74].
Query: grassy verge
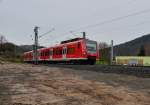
[102,62]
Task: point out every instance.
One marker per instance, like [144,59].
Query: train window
[71,50]
[57,51]
[79,45]
[44,53]
[47,53]
[60,52]
[54,51]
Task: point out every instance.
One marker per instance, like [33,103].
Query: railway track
[127,70]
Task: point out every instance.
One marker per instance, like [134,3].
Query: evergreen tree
[142,51]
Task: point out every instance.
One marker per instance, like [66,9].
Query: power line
[113,20]
[106,22]
[126,27]
[47,32]
[118,5]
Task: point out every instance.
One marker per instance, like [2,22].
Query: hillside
[28,47]
[12,52]
[132,47]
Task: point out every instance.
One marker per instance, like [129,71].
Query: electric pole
[112,52]
[36,45]
[84,35]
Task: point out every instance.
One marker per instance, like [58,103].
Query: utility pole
[112,52]
[1,43]
[14,51]
[36,45]
[84,35]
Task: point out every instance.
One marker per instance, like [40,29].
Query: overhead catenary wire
[120,28]
[121,4]
[73,32]
[113,20]
[106,22]
[126,27]
[47,32]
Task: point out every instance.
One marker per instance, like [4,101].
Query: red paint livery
[78,50]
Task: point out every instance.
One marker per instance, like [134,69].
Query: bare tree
[103,45]
[2,39]
[147,49]
[2,42]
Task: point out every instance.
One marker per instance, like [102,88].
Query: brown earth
[24,84]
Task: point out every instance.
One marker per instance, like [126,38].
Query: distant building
[133,60]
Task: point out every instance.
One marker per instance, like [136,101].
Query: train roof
[61,44]
[71,40]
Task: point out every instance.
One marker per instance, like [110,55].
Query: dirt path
[23,84]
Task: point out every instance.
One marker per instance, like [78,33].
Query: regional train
[73,51]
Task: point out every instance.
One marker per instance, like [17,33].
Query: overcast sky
[18,18]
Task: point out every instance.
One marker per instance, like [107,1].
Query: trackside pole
[36,45]
[112,52]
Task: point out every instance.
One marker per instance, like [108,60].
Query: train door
[51,54]
[64,52]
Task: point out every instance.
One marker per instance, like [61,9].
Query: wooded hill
[133,47]
[137,47]
[12,52]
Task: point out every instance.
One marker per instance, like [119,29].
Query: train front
[92,51]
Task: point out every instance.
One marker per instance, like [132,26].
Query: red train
[75,51]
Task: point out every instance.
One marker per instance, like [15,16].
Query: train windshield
[91,46]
